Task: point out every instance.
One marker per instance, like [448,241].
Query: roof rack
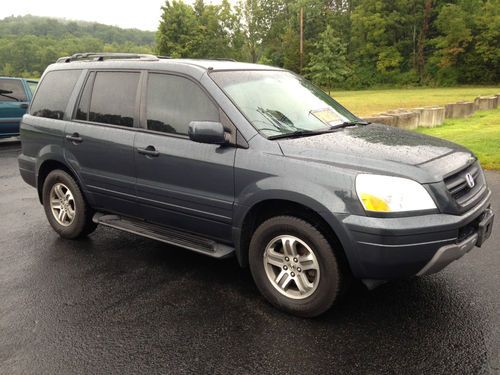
[224,59]
[101,56]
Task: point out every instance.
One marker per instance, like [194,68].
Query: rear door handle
[24,105]
[148,151]
[74,138]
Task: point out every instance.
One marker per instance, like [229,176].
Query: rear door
[182,184]
[13,105]
[99,140]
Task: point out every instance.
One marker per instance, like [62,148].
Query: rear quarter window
[53,94]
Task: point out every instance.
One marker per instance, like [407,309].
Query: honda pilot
[225,158]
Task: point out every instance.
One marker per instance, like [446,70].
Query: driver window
[173,102]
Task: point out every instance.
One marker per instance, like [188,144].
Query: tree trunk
[421,40]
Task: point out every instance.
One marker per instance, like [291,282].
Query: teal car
[15,97]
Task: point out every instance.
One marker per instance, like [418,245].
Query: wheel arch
[314,213]
[48,165]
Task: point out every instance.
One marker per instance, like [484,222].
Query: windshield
[280,103]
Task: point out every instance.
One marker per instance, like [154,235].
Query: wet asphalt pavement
[118,303]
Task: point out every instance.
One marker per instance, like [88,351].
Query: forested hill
[28,43]
[60,28]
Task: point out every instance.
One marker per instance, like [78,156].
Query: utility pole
[301,50]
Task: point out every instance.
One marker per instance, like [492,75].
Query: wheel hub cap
[291,267]
[62,204]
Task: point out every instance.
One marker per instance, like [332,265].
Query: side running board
[170,236]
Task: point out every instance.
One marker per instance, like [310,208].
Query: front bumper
[392,248]
[447,254]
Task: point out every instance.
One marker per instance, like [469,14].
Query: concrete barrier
[382,119]
[433,115]
[498,99]
[430,117]
[404,119]
[495,101]
[485,103]
[459,109]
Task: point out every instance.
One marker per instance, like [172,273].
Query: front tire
[294,266]
[65,207]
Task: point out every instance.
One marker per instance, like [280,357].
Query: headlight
[392,194]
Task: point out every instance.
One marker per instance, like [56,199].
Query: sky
[142,14]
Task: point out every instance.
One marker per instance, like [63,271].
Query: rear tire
[65,207]
[294,266]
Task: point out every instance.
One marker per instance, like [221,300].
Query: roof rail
[101,56]
[224,59]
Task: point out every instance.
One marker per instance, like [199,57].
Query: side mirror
[207,132]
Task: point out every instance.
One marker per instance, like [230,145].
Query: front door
[180,183]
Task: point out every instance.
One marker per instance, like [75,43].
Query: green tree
[290,45]
[178,31]
[455,34]
[230,21]
[486,41]
[254,21]
[328,64]
[199,31]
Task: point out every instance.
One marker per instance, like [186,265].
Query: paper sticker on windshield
[327,115]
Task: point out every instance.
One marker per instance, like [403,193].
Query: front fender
[318,198]
[332,204]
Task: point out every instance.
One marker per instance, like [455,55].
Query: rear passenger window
[113,98]
[53,94]
[173,102]
[11,90]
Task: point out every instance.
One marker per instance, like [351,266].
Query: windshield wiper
[349,123]
[298,133]
[306,133]
[5,93]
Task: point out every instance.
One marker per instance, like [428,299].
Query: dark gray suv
[221,157]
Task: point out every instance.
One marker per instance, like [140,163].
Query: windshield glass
[279,102]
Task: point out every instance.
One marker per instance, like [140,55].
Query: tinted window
[113,98]
[82,112]
[11,90]
[53,94]
[173,102]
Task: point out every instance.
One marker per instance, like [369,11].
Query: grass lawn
[480,133]
[367,102]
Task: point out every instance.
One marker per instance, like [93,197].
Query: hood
[381,148]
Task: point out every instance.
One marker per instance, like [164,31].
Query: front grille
[459,188]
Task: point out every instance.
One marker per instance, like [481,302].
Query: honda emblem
[470,180]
